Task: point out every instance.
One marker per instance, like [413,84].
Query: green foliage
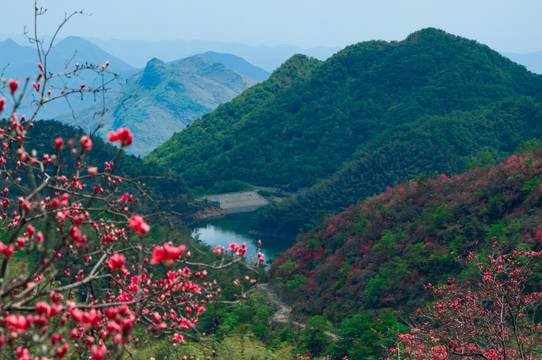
[483,158]
[376,287]
[313,244]
[314,338]
[297,280]
[289,265]
[366,336]
[230,348]
[444,143]
[250,316]
[229,187]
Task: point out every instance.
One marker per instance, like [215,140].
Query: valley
[381,179]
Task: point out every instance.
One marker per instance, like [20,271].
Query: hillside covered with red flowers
[379,253]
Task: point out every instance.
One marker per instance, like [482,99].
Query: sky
[504,25]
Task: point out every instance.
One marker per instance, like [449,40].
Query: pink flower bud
[58,143]
[13,85]
[86,143]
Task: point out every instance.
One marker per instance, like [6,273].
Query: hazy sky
[504,25]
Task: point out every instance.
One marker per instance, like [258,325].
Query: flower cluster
[491,316]
[122,135]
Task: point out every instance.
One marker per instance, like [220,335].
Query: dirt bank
[238,202]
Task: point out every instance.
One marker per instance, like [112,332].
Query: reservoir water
[239,228]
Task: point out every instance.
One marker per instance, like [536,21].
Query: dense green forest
[373,260]
[334,127]
[444,144]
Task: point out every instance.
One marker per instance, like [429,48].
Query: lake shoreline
[238,202]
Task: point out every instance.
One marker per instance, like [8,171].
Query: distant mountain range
[168,95]
[237,64]
[164,98]
[138,53]
[18,62]
[532,61]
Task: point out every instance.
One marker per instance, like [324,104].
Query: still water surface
[238,228]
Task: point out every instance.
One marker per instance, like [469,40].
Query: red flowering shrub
[492,316]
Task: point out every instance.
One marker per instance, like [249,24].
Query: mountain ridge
[238,64]
[266,57]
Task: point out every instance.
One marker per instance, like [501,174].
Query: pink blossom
[167,253]
[86,142]
[6,250]
[116,262]
[123,135]
[139,225]
[58,143]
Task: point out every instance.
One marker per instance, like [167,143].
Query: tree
[315,339]
[491,316]
[79,270]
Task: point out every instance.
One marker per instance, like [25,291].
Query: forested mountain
[359,113]
[190,151]
[380,253]
[443,144]
[164,98]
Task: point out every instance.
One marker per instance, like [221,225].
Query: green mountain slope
[164,98]
[324,120]
[166,189]
[379,253]
[443,144]
[190,151]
